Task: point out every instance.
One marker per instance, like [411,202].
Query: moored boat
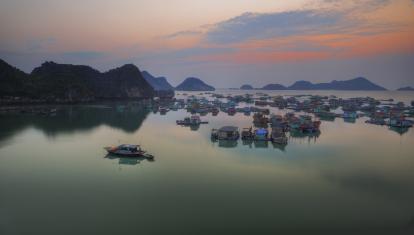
[163,110]
[400,122]
[128,150]
[191,121]
[376,121]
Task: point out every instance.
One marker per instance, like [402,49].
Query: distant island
[356,84]
[246,87]
[407,88]
[194,84]
[160,84]
[65,83]
[273,87]
[360,83]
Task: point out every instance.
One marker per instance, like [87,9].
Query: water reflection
[281,147]
[194,127]
[131,161]
[70,119]
[372,183]
[261,144]
[350,120]
[248,142]
[227,143]
[399,130]
[302,135]
[327,119]
[357,176]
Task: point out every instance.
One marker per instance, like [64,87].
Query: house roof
[261,131]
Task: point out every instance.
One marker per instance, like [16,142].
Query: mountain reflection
[69,119]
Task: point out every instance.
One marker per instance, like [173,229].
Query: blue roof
[261,131]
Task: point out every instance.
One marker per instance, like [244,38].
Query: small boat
[400,122]
[246,111]
[128,150]
[231,111]
[376,121]
[184,122]
[191,121]
[215,111]
[174,107]
[163,110]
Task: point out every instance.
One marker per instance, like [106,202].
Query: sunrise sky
[225,42]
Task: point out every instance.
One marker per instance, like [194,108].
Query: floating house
[247,134]
[260,120]
[226,133]
[278,136]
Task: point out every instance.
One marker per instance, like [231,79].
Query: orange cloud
[263,57]
[315,47]
[399,42]
[384,29]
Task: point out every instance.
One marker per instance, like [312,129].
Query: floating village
[276,118]
[273,118]
[302,114]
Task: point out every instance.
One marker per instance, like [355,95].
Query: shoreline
[18,101]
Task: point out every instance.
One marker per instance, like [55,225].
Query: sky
[225,43]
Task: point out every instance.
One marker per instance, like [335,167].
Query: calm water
[55,177]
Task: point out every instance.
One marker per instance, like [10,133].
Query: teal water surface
[55,177]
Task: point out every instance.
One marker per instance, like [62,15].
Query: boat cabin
[128,147]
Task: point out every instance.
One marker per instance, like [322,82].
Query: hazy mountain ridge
[407,88]
[70,83]
[273,87]
[246,87]
[194,84]
[354,84]
[158,83]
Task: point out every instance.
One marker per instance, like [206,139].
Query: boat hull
[125,153]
